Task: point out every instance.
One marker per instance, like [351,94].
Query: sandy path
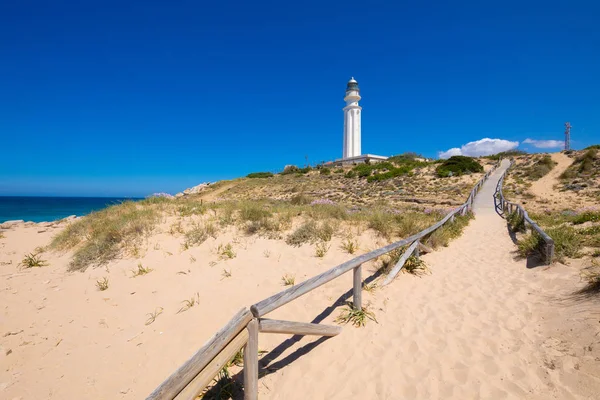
[482,325]
[543,188]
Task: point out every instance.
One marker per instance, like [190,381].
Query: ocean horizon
[46,209]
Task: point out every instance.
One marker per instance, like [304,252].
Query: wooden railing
[242,330]
[506,207]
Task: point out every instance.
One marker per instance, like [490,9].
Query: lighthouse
[352,120]
[351,152]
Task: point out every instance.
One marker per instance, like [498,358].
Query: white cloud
[455,151]
[544,144]
[482,147]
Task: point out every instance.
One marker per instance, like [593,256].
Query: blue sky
[129,98]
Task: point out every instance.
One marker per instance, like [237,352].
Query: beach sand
[481,325]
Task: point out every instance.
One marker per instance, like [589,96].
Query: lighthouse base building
[351,152]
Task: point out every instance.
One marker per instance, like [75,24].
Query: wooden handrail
[175,383]
[242,330]
[505,204]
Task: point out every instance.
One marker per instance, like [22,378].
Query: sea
[42,209]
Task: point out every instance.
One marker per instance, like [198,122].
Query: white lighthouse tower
[351,153]
[352,120]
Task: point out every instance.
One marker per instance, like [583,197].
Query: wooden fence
[506,207]
[190,380]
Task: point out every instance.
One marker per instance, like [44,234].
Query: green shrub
[350,174]
[540,168]
[325,171]
[290,169]
[252,211]
[449,231]
[300,199]
[311,232]
[516,221]
[506,154]
[458,165]
[529,245]
[260,175]
[339,171]
[567,242]
[382,223]
[198,234]
[588,216]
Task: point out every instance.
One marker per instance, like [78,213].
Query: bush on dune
[458,165]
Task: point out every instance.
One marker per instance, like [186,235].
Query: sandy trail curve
[543,188]
[481,326]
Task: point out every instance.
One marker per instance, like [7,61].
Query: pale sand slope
[481,326]
[61,338]
[543,188]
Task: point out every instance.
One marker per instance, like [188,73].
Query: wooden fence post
[251,362]
[357,288]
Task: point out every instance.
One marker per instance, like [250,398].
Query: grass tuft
[187,304]
[321,249]
[415,266]
[358,317]
[153,315]
[33,260]
[198,234]
[288,280]
[102,284]
[350,245]
[226,251]
[141,270]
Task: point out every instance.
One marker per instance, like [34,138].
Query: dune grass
[357,317]
[33,260]
[103,235]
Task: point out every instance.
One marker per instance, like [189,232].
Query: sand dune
[481,325]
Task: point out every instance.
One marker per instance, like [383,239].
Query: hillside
[344,186]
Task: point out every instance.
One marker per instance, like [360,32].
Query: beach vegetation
[252,211]
[187,304]
[33,260]
[506,154]
[449,231]
[325,171]
[225,251]
[199,233]
[153,315]
[321,249]
[356,316]
[310,232]
[415,266]
[224,387]
[458,165]
[540,168]
[102,284]
[141,270]
[350,245]
[103,235]
[516,221]
[290,169]
[288,280]
[260,175]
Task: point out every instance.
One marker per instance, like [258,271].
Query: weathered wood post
[357,298]
[251,362]
[417,253]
